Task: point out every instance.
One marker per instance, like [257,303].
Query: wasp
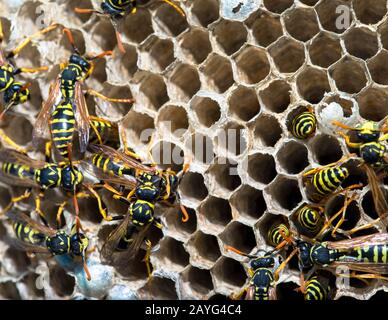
[118,9]
[316,288]
[277,233]
[104,132]
[15,92]
[65,111]
[304,124]
[310,219]
[36,238]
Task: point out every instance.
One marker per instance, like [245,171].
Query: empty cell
[261,167]
[176,224]
[268,222]
[206,246]
[198,280]
[196,45]
[201,148]
[171,20]
[218,72]
[249,202]
[9,291]
[372,103]
[23,135]
[309,2]
[357,174]
[66,45]
[62,283]
[118,109]
[173,119]
[223,31]
[17,258]
[168,155]
[239,236]
[370,11]
[334,15]
[326,149]
[104,35]
[287,54]
[137,27]
[136,269]
[217,211]
[172,253]
[302,23]
[127,64]
[207,110]
[185,80]
[72,4]
[325,49]
[244,103]
[277,96]
[231,138]
[206,11]
[361,43]
[266,29]
[286,192]
[89,210]
[229,272]
[225,173]
[368,205]
[252,65]
[138,127]
[267,130]
[293,157]
[289,291]
[312,84]
[153,92]
[193,186]
[352,214]
[378,68]
[160,289]
[278,6]
[383,31]
[160,52]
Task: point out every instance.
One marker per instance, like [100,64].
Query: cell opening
[206,246]
[160,53]
[120,109]
[207,110]
[262,168]
[252,65]
[287,54]
[160,289]
[172,253]
[361,43]
[193,186]
[267,130]
[271,220]
[136,126]
[293,157]
[325,49]
[368,205]
[309,2]
[286,192]
[137,27]
[18,259]
[217,211]
[326,149]
[171,21]
[345,104]
[173,119]
[153,92]
[196,45]
[218,71]
[249,202]
[175,223]
[239,236]
[378,68]
[383,31]
[313,84]
[104,35]
[206,11]
[222,32]
[231,139]
[371,101]
[8,290]
[352,214]
[266,29]
[168,155]
[229,272]
[72,4]
[198,280]
[357,175]
[136,269]
[226,174]
[62,283]
[201,147]
[23,134]
[185,80]
[302,23]
[370,12]
[329,18]
[277,96]
[244,103]
[278,6]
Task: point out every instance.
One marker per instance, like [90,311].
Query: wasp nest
[246,66]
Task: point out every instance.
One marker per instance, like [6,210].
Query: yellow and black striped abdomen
[62,125]
[276,234]
[6,78]
[309,219]
[18,170]
[304,125]
[328,180]
[109,166]
[29,235]
[369,254]
[315,290]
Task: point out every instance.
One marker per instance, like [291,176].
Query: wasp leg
[96,132]
[284,263]
[14,200]
[147,257]
[8,141]
[60,210]
[384,137]
[348,142]
[101,207]
[38,200]
[86,11]
[366,226]
[127,150]
[101,96]
[1,33]
[342,219]
[239,295]
[48,149]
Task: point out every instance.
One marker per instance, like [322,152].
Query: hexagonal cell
[153,92]
[285,192]
[252,65]
[120,109]
[159,53]
[383,31]
[352,214]
[62,283]
[207,110]
[17,258]
[175,223]
[168,155]
[325,49]
[185,81]
[361,43]
[222,32]
[173,119]
[217,211]
[231,139]
[357,174]
[72,4]
[196,45]
[249,202]
[312,84]
[206,246]
[371,102]
[243,103]
[261,167]
[206,11]
[293,157]
[287,54]
[329,16]
[136,126]
[278,6]
[172,254]
[197,280]
[193,186]
[171,21]
[302,23]
[277,96]
[267,130]
[266,29]
[137,27]
[218,72]
[104,35]
[326,149]
[239,236]
[370,12]
[126,64]
[160,289]
[225,173]
[345,104]
[9,291]
[269,221]
[367,203]
[201,147]
[378,68]
[309,2]
[229,273]
[23,135]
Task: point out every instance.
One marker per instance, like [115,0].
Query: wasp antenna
[120,42]
[71,39]
[86,11]
[176,7]
[101,55]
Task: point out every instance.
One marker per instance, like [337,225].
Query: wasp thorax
[59,244]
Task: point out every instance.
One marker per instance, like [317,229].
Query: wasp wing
[368,240]
[81,116]
[23,218]
[13,156]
